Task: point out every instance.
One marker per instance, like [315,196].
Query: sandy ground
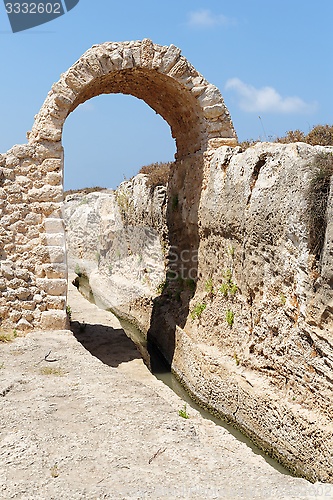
[91,422]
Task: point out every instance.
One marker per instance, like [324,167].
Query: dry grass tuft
[158,173]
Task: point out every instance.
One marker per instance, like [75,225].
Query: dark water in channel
[161,370]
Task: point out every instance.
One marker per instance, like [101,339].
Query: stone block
[54,320]
[55,239]
[116,59]
[58,303]
[214,111]
[46,193]
[52,165]
[170,58]
[22,293]
[210,96]
[55,271]
[53,225]
[222,141]
[54,179]
[56,254]
[52,286]
[127,59]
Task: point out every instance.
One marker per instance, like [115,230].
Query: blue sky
[271,60]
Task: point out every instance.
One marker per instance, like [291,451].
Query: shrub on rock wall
[318,195]
[158,173]
[321,135]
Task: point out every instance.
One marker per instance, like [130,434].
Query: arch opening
[161,93]
[159,75]
[120,134]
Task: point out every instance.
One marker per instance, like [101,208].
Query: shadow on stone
[110,345]
[171,308]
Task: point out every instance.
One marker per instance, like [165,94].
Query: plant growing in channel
[69,312]
[183,412]
[230,317]
[198,310]
[228,287]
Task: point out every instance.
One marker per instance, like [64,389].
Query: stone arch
[33,255]
[159,75]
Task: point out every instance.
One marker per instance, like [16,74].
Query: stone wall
[33,274]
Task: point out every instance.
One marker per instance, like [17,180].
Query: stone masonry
[33,273]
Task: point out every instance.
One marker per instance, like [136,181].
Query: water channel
[161,370]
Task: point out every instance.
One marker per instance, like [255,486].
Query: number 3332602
[33,8]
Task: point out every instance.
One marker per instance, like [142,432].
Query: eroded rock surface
[92,422]
[244,315]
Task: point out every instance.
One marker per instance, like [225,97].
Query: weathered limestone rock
[257,346]
[117,240]
[269,369]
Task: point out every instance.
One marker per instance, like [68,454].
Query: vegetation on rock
[321,135]
[158,173]
[318,194]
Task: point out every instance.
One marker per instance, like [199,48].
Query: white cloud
[267,99]
[204,18]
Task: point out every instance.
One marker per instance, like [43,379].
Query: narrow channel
[161,370]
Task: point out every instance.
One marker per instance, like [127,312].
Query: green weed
[230,317]
[236,358]
[209,287]
[228,287]
[161,287]
[183,412]
[198,310]
[69,312]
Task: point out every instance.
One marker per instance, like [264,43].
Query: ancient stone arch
[33,261]
[159,75]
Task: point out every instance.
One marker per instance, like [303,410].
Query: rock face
[261,351]
[244,315]
[118,241]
